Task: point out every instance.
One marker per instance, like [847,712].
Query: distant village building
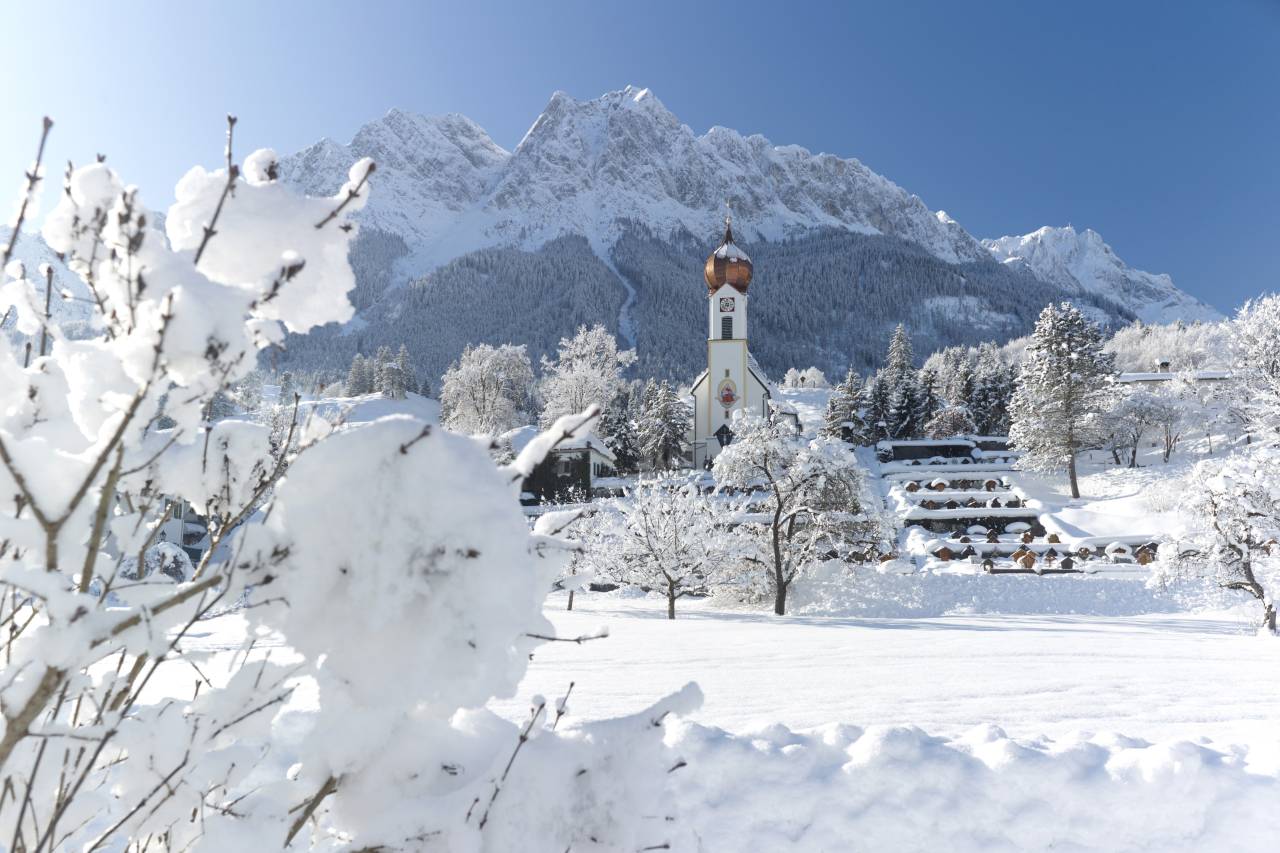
[186,529]
[572,471]
[732,382]
[1162,373]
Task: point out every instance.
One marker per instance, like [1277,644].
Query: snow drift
[898,788]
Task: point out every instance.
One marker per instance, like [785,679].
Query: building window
[726,328]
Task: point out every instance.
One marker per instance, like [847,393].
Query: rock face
[1081,261]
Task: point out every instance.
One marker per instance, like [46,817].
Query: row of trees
[780,504]
[959,391]
[491,390]
[383,373]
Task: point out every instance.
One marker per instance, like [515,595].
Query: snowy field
[1158,677]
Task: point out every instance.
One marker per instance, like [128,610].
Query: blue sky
[1155,123]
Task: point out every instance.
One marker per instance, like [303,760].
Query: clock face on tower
[726,304]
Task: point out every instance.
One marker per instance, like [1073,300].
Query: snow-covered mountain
[1080,260]
[589,167]
[606,210]
[32,251]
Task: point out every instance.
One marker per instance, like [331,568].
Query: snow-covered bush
[810,377]
[1232,512]
[391,557]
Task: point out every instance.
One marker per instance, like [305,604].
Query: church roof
[728,264]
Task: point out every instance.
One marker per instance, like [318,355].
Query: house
[571,472]
[186,529]
[914,450]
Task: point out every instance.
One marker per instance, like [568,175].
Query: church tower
[731,383]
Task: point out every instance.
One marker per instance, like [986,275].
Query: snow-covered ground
[1154,676]
[962,733]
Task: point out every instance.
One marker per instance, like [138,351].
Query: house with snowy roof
[572,471]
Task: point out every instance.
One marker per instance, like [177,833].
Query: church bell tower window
[726,328]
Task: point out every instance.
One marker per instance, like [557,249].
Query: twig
[352,194]
[524,737]
[233,174]
[33,179]
[585,638]
[48,294]
[562,707]
[330,785]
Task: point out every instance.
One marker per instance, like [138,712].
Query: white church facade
[732,382]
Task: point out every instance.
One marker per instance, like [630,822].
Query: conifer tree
[1065,387]
[844,416]
[877,406]
[408,376]
[899,361]
[359,381]
[902,387]
[663,428]
[380,362]
[618,429]
[927,403]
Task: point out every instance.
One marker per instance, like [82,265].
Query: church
[732,382]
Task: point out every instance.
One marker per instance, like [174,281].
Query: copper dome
[728,264]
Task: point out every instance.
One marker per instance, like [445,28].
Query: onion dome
[728,264]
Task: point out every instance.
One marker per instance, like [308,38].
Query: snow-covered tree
[664,535]
[359,377]
[843,418]
[663,429]
[390,557]
[587,372]
[487,391]
[408,377]
[899,361]
[950,422]
[1255,354]
[1135,414]
[991,391]
[1065,388]
[810,377]
[953,367]
[618,430]
[1144,347]
[1232,511]
[928,402]
[898,384]
[799,500]
[877,406]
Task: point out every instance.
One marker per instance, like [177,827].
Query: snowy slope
[1081,261]
[32,251]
